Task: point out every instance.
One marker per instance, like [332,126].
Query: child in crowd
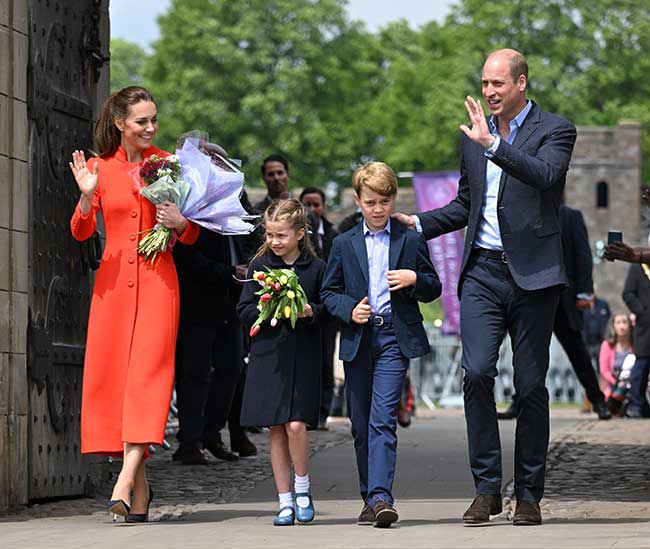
[283,380]
[376,274]
[613,353]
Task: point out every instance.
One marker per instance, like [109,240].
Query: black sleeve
[247,306]
[584,262]
[631,289]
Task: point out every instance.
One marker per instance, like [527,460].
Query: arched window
[602,195]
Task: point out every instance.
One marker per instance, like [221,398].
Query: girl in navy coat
[283,380]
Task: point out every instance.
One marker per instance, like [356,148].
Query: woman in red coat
[129,363]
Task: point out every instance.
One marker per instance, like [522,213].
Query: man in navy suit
[513,168]
[376,274]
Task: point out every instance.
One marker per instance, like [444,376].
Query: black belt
[498,255]
[381,320]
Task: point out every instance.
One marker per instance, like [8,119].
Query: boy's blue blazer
[346,280]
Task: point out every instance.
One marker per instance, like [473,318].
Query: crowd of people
[186,316]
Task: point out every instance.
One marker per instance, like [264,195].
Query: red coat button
[134,213]
[131,259]
[132,237]
[134,190]
[130,284]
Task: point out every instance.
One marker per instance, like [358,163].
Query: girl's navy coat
[284,369]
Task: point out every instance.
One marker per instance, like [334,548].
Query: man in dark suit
[513,169]
[208,355]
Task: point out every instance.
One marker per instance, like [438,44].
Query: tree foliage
[127,62]
[299,77]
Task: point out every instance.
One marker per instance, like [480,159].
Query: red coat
[129,362]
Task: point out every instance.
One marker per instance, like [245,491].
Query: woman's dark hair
[107,136]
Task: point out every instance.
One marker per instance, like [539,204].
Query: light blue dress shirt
[488,234]
[377,246]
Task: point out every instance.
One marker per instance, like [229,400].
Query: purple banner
[433,190]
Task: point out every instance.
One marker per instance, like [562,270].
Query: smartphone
[614,236]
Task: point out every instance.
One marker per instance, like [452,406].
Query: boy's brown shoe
[482,507]
[385,514]
[367,517]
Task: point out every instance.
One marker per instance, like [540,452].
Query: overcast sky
[136,20]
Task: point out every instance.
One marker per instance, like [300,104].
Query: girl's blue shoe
[284,520]
[305,514]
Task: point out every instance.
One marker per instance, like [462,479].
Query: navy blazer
[534,173]
[346,281]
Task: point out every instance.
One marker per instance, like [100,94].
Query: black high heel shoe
[119,507]
[141,517]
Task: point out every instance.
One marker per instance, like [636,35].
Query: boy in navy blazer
[376,274]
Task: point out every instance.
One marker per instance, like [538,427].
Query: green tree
[262,76]
[127,63]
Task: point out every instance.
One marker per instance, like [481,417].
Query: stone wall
[13,252]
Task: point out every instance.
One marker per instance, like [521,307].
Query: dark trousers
[574,346]
[208,367]
[491,304]
[638,385]
[373,383]
[328,341]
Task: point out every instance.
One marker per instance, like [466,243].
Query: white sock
[301,486]
[286,500]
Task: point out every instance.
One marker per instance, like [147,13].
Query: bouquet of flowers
[281,296]
[205,187]
[163,181]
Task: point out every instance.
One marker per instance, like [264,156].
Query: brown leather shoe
[367,517]
[385,514]
[527,513]
[482,507]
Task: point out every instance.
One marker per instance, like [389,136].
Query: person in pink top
[614,349]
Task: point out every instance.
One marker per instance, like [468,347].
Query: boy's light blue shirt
[377,247]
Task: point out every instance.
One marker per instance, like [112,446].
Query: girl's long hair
[293,212]
[107,136]
[611,332]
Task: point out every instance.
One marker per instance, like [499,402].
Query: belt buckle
[377,320]
[504,259]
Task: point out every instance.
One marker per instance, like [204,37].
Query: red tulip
[261,276]
[264,298]
[277,286]
[254,331]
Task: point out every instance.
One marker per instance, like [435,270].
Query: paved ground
[598,479]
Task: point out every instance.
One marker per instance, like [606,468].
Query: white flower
[274,322]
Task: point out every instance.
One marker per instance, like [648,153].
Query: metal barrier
[437,377]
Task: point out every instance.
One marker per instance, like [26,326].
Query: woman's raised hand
[86,180]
